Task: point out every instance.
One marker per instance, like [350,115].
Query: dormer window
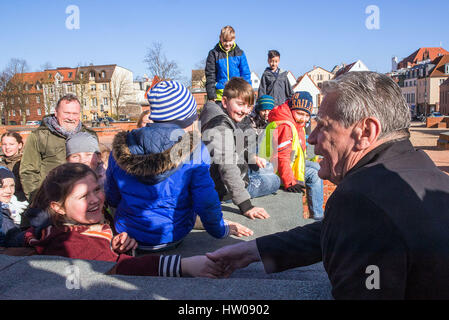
[70,74]
[103,74]
[92,75]
[446,68]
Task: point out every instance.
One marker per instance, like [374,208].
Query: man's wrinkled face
[68,114]
[332,141]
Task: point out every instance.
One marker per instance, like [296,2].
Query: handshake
[222,262]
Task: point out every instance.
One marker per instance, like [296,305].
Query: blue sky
[307,33]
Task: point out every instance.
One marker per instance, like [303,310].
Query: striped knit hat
[170,101]
[265,102]
[301,100]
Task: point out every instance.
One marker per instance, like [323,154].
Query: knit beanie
[171,102]
[301,100]
[4,174]
[265,102]
[81,142]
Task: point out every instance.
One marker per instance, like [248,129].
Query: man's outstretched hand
[233,257]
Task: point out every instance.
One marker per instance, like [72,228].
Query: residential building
[319,75]
[255,81]
[421,54]
[430,77]
[57,83]
[409,85]
[24,100]
[104,90]
[198,78]
[198,88]
[444,97]
[355,66]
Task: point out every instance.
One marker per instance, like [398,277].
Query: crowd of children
[171,173]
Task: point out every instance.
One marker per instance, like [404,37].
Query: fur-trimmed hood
[150,154]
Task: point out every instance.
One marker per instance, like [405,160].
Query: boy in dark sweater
[274,80]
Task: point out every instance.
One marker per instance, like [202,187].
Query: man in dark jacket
[385,231]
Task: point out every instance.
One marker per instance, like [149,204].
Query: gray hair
[69,98]
[369,94]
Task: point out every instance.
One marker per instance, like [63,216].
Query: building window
[103,74]
[70,74]
[38,86]
[27,112]
[93,87]
[38,99]
[14,113]
[39,112]
[94,102]
[92,75]
[27,100]
[105,101]
[12,100]
[105,86]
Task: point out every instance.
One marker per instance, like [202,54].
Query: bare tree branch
[159,65]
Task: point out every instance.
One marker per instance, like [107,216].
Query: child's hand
[261,162]
[200,266]
[122,243]
[256,212]
[236,229]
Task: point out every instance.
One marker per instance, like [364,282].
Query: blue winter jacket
[221,66]
[158,179]
[10,233]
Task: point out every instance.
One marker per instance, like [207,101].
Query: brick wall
[328,189]
[437,122]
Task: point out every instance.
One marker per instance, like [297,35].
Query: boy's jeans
[314,190]
[263,182]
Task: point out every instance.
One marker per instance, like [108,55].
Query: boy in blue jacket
[225,61]
[158,176]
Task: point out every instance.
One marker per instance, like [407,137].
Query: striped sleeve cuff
[227,230]
[170,266]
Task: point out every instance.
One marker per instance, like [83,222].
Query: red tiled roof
[420,55]
[439,69]
[65,72]
[31,78]
[345,69]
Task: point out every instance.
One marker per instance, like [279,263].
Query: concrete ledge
[50,277]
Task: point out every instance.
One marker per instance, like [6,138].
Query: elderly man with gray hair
[385,234]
